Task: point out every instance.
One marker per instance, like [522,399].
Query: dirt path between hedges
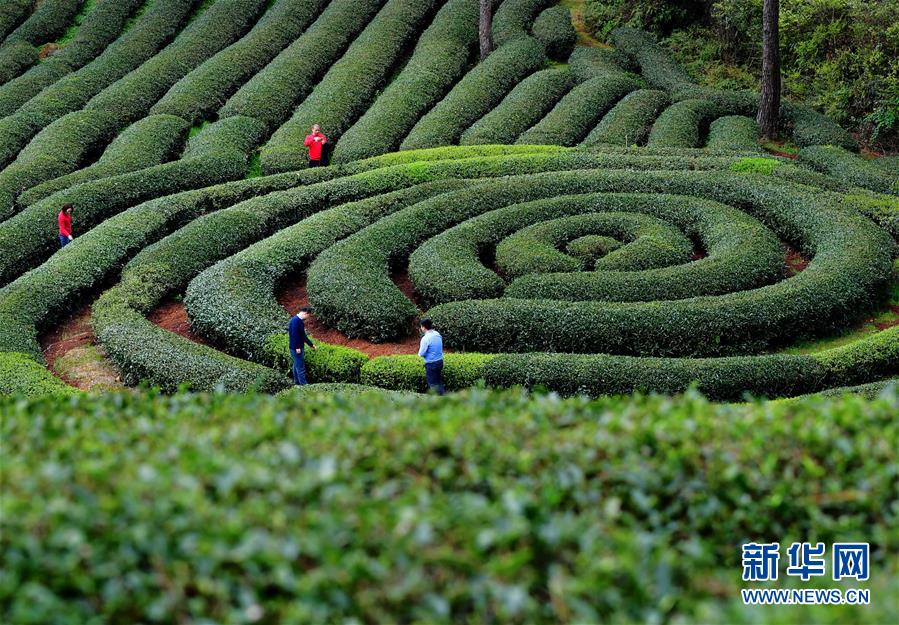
[292,296]
[172,316]
[73,355]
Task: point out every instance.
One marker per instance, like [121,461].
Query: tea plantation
[578,220]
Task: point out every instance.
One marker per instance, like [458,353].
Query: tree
[485,28]
[769,101]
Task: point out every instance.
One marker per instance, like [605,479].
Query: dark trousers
[315,163]
[299,368]
[434,376]
[63,241]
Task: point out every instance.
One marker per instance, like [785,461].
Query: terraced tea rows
[630,234]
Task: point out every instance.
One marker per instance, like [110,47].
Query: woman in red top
[315,141]
[65,225]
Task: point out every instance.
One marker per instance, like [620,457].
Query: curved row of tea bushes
[15,58]
[49,20]
[274,92]
[102,26]
[651,242]
[851,265]
[36,299]
[733,132]
[553,28]
[742,254]
[62,147]
[150,141]
[130,98]
[350,86]
[684,124]
[525,106]
[850,168]
[22,375]
[233,302]
[807,126]
[586,63]
[579,111]
[727,378]
[222,23]
[349,285]
[204,90]
[881,209]
[153,30]
[629,122]
[513,18]
[483,88]
[13,13]
[439,59]
[215,155]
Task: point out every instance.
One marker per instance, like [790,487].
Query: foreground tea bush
[385,508]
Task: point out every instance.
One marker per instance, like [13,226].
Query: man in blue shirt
[431,349]
[298,339]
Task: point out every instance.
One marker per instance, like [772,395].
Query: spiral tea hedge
[584,220]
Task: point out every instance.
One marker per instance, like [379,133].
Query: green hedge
[852,263]
[325,364]
[522,109]
[349,285]
[553,28]
[274,92]
[742,254]
[726,378]
[807,126]
[13,13]
[340,391]
[150,141]
[152,31]
[513,18]
[15,58]
[216,154]
[101,26]
[49,20]
[579,111]
[350,86]
[22,375]
[482,89]
[734,132]
[849,168]
[233,302]
[217,27]
[460,509]
[407,373]
[64,144]
[146,354]
[629,122]
[203,91]
[586,62]
[882,209]
[684,124]
[57,150]
[439,59]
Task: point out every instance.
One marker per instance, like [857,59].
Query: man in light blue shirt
[431,349]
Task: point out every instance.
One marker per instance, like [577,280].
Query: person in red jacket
[65,225]
[315,142]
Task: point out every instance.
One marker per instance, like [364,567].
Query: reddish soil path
[72,354]
[794,262]
[172,316]
[292,296]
